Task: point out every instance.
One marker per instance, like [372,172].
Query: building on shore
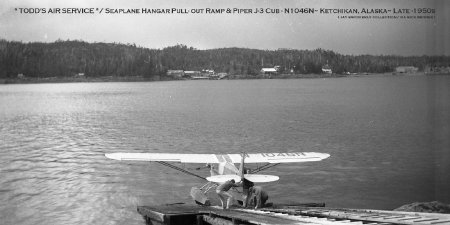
[208,72]
[175,73]
[437,70]
[406,69]
[196,75]
[193,73]
[269,71]
[327,69]
[222,75]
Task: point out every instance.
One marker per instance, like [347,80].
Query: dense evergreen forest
[68,58]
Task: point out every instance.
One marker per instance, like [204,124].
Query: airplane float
[226,168]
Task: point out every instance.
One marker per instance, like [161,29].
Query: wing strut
[264,167]
[179,169]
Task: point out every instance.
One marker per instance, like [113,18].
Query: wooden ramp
[283,214]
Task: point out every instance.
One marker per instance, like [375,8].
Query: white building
[327,69]
[269,71]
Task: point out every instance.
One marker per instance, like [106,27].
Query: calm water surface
[387,136]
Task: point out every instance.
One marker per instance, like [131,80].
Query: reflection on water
[386,136]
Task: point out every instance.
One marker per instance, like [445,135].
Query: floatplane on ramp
[225,164]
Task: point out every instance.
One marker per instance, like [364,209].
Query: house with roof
[327,69]
[269,71]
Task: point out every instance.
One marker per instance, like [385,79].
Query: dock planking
[309,213]
[170,214]
[175,214]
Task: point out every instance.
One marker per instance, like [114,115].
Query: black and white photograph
[222,112]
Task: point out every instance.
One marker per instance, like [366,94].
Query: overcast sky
[266,31]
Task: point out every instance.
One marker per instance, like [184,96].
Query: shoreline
[34,80]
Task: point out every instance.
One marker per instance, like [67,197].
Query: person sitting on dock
[259,196]
[224,196]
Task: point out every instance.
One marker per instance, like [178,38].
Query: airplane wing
[165,157]
[291,157]
[287,157]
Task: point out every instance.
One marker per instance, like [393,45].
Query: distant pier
[311,214]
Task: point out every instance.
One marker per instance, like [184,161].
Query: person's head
[250,189]
[232,181]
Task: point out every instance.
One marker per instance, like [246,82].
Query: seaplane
[222,167]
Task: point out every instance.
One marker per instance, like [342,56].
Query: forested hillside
[68,58]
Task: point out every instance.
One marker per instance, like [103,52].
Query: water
[387,136]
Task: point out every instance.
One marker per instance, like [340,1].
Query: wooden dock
[186,214]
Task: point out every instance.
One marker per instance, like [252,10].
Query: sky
[270,31]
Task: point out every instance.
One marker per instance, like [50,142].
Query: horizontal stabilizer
[261,178]
[255,178]
[224,178]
